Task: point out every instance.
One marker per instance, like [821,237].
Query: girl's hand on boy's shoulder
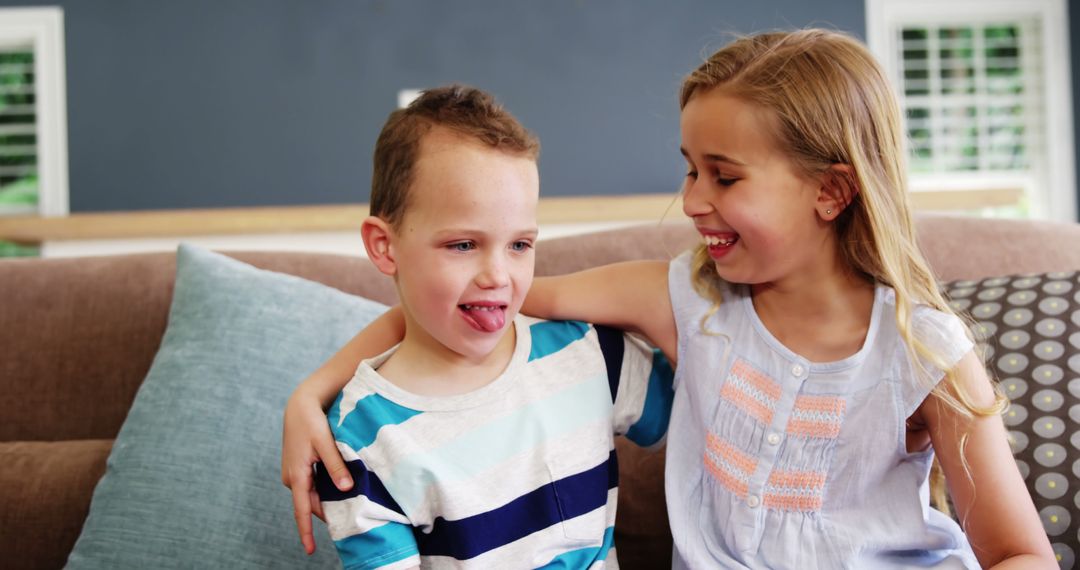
[306,439]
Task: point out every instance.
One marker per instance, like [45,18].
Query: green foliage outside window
[18,144]
[963,87]
[12,249]
[18,135]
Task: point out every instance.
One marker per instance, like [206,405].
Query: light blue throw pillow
[193,480]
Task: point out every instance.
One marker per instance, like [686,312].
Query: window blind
[18,133]
[972,96]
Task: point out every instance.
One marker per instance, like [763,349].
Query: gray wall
[205,103]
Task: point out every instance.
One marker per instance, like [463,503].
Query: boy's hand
[306,439]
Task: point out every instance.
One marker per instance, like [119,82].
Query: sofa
[79,335]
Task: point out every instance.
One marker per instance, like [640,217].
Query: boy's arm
[983,479]
[306,436]
[631,295]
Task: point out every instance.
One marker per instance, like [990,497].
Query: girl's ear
[838,188]
[378,241]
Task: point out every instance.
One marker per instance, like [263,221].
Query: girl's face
[755,210]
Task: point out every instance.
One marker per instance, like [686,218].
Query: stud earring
[828,212]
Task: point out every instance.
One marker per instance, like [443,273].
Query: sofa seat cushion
[193,480]
[642,534]
[45,488]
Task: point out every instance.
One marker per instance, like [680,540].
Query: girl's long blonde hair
[834,105]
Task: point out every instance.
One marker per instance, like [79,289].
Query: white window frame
[1058,201]
[43,30]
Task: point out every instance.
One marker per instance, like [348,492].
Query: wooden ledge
[299,219]
[347,217]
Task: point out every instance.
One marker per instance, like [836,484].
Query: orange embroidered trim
[728,465]
[729,481]
[795,490]
[807,428]
[792,502]
[751,391]
[729,454]
[747,403]
[822,404]
[766,385]
[817,416]
[802,480]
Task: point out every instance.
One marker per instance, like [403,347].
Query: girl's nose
[693,199]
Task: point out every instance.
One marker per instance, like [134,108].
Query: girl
[820,369]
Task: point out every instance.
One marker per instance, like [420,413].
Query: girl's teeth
[716,240]
[480,308]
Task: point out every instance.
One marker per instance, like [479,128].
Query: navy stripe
[548,505]
[613,470]
[612,346]
[365,483]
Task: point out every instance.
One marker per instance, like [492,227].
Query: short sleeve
[689,308]
[941,332]
[686,305]
[644,395]
[367,526]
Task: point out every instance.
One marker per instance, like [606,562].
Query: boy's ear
[838,188]
[378,241]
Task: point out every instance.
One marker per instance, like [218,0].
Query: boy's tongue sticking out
[487,317]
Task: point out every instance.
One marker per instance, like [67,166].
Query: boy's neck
[422,365]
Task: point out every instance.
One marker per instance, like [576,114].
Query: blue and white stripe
[523,469]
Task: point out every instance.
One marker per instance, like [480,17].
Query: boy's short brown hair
[464,110]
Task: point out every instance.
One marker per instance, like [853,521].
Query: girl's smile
[719,243]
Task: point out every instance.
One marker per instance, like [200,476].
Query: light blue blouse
[774,461]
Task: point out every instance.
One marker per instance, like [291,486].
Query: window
[984,86]
[33,117]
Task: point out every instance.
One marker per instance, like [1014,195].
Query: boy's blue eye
[520,246]
[462,246]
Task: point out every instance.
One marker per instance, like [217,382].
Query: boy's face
[464,248]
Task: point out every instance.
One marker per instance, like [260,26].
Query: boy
[484,439]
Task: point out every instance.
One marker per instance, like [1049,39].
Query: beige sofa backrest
[83,331]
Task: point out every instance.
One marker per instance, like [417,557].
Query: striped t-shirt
[520,473]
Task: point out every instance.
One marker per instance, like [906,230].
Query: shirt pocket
[580,491]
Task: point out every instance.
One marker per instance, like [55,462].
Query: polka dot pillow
[1029,327]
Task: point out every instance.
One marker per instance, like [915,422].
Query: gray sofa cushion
[193,480]
[1029,328]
